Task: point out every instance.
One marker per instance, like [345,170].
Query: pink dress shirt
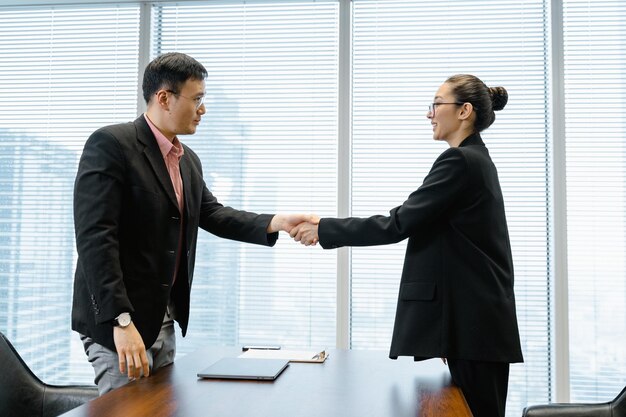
[172,152]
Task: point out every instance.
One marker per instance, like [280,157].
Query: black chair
[23,394]
[614,408]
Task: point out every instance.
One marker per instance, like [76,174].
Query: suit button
[175,218]
[171,252]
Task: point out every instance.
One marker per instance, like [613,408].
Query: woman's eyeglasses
[433,106]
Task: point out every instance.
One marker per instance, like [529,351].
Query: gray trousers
[105,362]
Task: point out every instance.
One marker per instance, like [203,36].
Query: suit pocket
[418,291]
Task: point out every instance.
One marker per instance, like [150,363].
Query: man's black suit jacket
[127,225]
[456,292]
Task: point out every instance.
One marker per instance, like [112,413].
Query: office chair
[614,408]
[23,394]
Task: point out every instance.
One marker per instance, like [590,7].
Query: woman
[456,296]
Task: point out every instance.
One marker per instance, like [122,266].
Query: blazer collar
[473,139]
[155,157]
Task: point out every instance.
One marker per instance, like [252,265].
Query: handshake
[301,227]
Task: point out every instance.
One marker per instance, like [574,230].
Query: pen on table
[260,347]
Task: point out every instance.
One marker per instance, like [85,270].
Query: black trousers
[484,385]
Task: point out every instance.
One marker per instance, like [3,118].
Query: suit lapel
[188,189]
[154,156]
[185,173]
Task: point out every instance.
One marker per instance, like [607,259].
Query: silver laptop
[245,368]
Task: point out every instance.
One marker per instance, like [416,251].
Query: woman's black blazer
[456,292]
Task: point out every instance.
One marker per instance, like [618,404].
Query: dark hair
[171,71]
[470,89]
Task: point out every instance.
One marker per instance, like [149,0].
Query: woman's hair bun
[499,97]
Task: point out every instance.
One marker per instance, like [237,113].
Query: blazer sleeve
[227,222]
[234,224]
[98,193]
[440,191]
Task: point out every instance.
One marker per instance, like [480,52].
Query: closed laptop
[245,368]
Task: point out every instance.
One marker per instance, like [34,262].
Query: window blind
[595,126]
[64,72]
[268,144]
[402,52]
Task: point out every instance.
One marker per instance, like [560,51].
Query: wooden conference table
[349,383]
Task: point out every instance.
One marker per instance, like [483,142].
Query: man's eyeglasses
[433,106]
[197,100]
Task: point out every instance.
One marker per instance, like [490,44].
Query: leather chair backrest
[23,394]
[614,408]
[59,399]
[568,410]
[618,405]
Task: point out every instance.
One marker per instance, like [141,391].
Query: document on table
[313,356]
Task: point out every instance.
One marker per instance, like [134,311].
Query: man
[139,199]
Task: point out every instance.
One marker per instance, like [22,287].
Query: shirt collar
[174,147]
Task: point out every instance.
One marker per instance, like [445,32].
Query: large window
[595,132]
[64,72]
[401,54]
[279,93]
[268,144]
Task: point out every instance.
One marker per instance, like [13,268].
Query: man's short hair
[170,71]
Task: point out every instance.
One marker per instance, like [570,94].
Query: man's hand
[306,233]
[131,351]
[286,222]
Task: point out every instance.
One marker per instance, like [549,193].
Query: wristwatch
[123,320]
